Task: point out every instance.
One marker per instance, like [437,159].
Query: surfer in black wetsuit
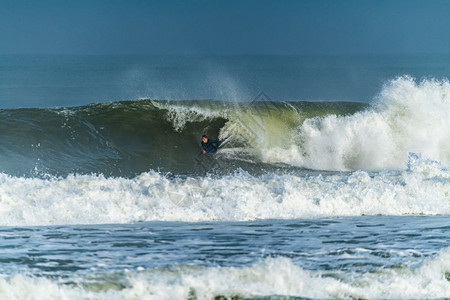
[205,159]
[210,146]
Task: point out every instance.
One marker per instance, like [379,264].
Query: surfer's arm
[214,143]
[203,147]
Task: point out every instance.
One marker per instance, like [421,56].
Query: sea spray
[407,117]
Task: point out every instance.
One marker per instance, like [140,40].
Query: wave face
[128,138]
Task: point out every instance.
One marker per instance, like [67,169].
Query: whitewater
[424,188]
[306,199]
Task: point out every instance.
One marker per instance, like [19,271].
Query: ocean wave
[407,116]
[275,277]
[89,199]
[131,137]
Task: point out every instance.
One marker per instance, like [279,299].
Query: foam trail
[270,277]
[89,199]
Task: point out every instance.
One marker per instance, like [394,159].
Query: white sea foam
[88,199]
[407,117]
[270,277]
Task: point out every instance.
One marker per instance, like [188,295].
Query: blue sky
[224,27]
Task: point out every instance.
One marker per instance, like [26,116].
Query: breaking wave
[128,138]
[89,199]
[274,278]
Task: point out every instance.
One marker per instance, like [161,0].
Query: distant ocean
[333,182]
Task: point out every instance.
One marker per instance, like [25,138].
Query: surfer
[205,159]
[210,146]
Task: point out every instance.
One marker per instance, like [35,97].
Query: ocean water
[333,183]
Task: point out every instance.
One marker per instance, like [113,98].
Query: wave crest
[407,117]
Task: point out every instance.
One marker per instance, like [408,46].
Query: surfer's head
[204,139]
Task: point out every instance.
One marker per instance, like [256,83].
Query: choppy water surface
[181,258]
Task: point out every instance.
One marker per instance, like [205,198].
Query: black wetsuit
[211,146]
